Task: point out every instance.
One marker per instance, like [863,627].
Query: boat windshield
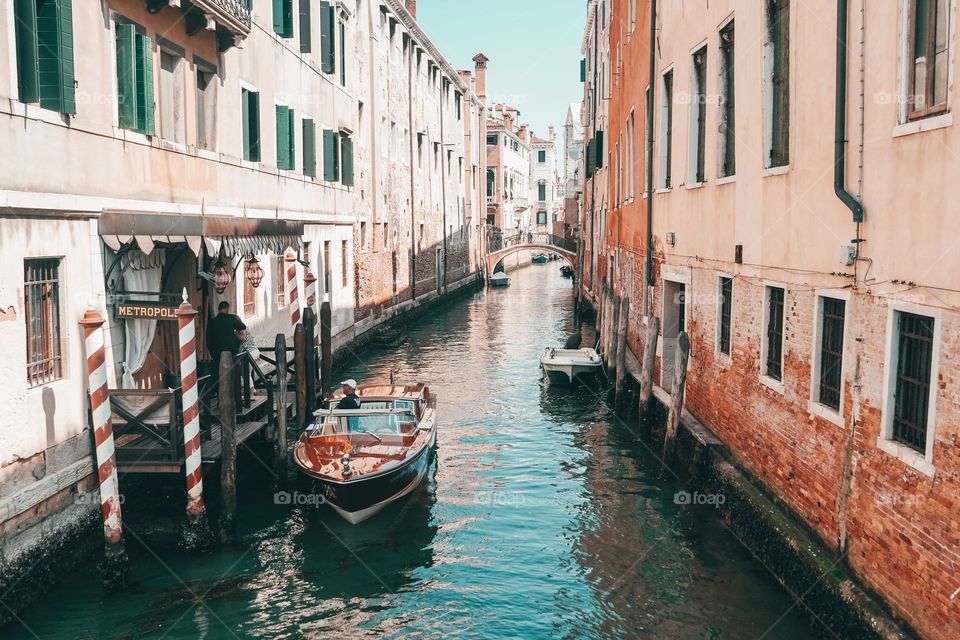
[377,424]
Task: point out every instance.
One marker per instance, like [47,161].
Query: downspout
[443,191]
[413,168]
[648,258]
[839,150]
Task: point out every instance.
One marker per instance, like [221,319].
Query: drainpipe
[648,263]
[413,193]
[443,190]
[839,152]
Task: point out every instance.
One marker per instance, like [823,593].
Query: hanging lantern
[221,275]
[253,271]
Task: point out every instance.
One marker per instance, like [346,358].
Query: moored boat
[566,271]
[539,258]
[367,458]
[500,279]
[563,365]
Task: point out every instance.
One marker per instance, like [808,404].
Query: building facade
[508,170]
[157,150]
[545,196]
[821,324]
[572,171]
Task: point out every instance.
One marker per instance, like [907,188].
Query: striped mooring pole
[310,292]
[294,295]
[196,533]
[114,565]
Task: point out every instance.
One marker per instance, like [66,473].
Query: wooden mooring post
[646,370]
[310,362]
[228,448]
[326,348]
[623,322]
[280,393]
[676,395]
[613,326]
[299,365]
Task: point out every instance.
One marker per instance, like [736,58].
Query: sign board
[147,310]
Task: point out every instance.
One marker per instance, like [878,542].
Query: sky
[533,46]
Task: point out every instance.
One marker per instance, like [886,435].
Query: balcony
[230,20]
[492,201]
[520,204]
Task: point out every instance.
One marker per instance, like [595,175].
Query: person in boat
[350,399]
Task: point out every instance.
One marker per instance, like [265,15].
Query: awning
[235,236]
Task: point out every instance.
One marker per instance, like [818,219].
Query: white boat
[563,365]
[500,279]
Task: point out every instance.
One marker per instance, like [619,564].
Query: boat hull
[568,372]
[361,498]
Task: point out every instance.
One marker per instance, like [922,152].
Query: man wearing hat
[350,399]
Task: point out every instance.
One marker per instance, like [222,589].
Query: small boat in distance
[367,458]
[566,271]
[563,365]
[539,258]
[499,279]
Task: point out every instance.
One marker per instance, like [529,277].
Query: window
[541,217]
[44,36]
[631,157]
[492,139]
[285,137]
[249,299]
[727,138]
[344,265]
[327,276]
[283,18]
[648,143]
[343,54]
[41,302]
[346,159]
[173,125]
[829,352]
[698,116]
[309,135]
[206,107]
[541,156]
[773,337]
[306,31]
[328,56]
[724,314]
[776,67]
[542,191]
[929,57]
[914,363]
[458,104]
[331,156]
[666,131]
[134,79]
[280,275]
[251,124]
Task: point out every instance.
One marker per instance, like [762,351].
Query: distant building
[508,170]
[544,195]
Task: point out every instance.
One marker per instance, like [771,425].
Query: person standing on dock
[223,332]
[350,399]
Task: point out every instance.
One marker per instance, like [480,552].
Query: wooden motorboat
[367,458]
[563,365]
[500,279]
[539,258]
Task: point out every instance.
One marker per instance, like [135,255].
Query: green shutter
[28,68]
[291,140]
[309,148]
[127,75]
[343,54]
[331,169]
[245,118]
[599,150]
[346,143]
[48,55]
[283,137]
[68,103]
[251,125]
[287,18]
[305,32]
[327,57]
[591,158]
[583,69]
[145,115]
[278,17]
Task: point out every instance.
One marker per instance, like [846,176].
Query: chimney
[522,132]
[480,71]
[552,134]
[508,120]
[412,8]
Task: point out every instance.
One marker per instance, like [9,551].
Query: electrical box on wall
[848,254]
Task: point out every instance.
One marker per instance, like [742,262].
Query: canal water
[543,517]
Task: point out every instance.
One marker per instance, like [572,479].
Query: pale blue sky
[533,46]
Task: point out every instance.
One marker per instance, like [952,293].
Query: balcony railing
[233,15]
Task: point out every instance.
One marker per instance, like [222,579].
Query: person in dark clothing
[350,399]
[223,332]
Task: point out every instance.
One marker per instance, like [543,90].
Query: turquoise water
[543,517]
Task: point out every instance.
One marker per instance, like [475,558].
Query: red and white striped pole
[310,291]
[186,321]
[115,565]
[294,295]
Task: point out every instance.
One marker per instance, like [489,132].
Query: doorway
[674,321]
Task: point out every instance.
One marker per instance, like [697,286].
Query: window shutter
[305,32]
[583,69]
[28,66]
[68,101]
[283,137]
[145,120]
[127,75]
[309,148]
[287,18]
[599,149]
[251,125]
[330,168]
[327,57]
[278,17]
[291,140]
[347,153]
[245,118]
[591,158]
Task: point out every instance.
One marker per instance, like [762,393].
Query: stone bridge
[499,247]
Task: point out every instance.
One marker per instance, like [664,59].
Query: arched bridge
[500,246]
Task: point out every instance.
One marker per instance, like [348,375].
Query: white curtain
[142,273]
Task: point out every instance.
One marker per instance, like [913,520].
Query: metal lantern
[221,275]
[253,271]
